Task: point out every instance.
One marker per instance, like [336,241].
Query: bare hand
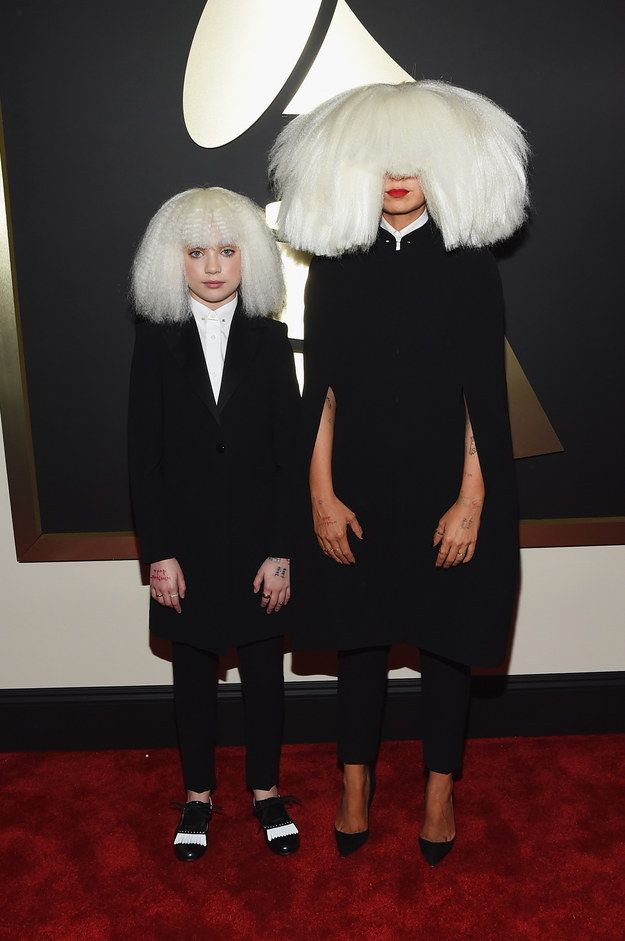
[456,533]
[167,585]
[330,520]
[274,577]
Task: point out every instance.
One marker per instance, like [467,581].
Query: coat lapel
[184,342]
[243,341]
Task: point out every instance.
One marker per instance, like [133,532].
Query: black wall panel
[95,140]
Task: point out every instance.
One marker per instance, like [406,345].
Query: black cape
[403,338]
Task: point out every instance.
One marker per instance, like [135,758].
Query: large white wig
[199,218]
[328,166]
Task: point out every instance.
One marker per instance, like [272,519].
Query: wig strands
[199,218]
[328,166]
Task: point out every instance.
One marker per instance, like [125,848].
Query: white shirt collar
[214,329]
[399,233]
[224,313]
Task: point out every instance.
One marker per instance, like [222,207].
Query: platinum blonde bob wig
[328,166]
[199,218]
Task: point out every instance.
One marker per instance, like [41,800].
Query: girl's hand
[167,585]
[330,520]
[457,531]
[274,577]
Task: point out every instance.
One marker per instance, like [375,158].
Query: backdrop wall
[96,140]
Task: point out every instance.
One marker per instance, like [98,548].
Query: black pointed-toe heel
[348,843]
[434,853]
[190,838]
[281,834]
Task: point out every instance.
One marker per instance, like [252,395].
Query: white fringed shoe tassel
[274,832]
[198,838]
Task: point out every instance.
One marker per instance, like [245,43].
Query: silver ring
[159,594]
[173,594]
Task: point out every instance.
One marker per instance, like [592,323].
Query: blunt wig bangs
[328,166]
[199,218]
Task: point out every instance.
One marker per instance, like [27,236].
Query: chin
[402,205]
[213,298]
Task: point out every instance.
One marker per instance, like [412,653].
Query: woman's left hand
[456,533]
[274,577]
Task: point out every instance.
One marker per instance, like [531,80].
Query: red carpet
[540,852]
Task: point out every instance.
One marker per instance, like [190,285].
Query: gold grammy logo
[242,54]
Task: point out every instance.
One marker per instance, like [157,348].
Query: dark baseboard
[142,716]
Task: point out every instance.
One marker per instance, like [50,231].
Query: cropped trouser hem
[362,683]
[195,700]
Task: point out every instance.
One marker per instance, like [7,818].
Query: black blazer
[211,482]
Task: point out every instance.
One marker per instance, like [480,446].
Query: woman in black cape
[406,439]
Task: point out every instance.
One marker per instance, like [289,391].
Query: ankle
[203,796]
[355,776]
[261,795]
[439,781]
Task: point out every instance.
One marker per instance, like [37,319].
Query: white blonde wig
[328,166]
[199,218]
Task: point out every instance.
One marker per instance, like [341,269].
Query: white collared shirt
[214,329]
[399,233]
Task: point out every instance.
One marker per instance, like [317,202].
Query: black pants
[445,687]
[195,699]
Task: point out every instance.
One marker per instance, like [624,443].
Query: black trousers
[445,687]
[195,700]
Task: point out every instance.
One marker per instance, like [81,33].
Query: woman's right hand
[330,520]
[167,585]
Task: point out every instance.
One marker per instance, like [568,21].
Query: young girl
[213,406]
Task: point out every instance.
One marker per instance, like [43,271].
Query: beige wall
[84,624]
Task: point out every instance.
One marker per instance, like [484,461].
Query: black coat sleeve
[145,445]
[484,373]
[285,409]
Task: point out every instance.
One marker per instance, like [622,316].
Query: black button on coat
[211,481]
[403,338]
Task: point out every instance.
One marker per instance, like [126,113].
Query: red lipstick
[397,194]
